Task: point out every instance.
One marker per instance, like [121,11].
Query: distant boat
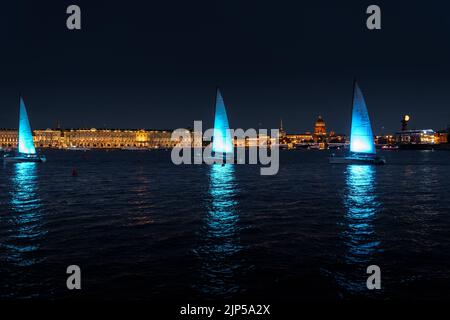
[26,152]
[74,148]
[131,148]
[314,147]
[389,147]
[362,145]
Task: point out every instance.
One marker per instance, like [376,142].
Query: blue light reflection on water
[221,236]
[25,224]
[287,229]
[361,207]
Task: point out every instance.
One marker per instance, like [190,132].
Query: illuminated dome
[319,127]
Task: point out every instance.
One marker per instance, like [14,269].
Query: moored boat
[222,143]
[75,148]
[362,144]
[26,151]
[357,159]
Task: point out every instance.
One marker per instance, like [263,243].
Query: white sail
[222,142]
[361,137]
[26,144]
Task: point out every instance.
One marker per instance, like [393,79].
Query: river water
[141,228]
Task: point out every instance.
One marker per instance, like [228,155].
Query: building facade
[382,140]
[442,137]
[92,138]
[299,138]
[8,138]
[427,136]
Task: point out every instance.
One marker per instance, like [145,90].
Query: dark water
[142,228]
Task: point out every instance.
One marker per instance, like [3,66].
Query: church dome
[319,127]
[320,121]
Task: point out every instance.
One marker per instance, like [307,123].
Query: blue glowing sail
[222,142]
[361,138]
[26,144]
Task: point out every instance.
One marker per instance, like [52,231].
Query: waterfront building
[93,138]
[262,140]
[300,138]
[8,138]
[384,140]
[419,139]
[441,137]
[338,138]
[48,138]
[416,137]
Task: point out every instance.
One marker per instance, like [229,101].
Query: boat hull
[230,158]
[23,158]
[77,149]
[357,160]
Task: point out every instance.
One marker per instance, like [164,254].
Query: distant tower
[282,133]
[404,121]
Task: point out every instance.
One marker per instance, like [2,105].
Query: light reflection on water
[25,224]
[220,235]
[187,251]
[361,207]
[142,200]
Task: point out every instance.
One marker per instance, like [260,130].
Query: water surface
[142,228]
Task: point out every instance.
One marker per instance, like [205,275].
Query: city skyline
[148,65]
[58,124]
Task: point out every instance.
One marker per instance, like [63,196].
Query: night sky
[149,64]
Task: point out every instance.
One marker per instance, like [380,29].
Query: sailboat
[26,152]
[362,145]
[222,143]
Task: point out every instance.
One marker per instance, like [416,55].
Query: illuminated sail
[222,142]
[361,138]
[26,144]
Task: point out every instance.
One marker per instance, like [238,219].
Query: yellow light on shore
[406,117]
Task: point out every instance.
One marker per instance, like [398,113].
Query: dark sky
[155,64]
